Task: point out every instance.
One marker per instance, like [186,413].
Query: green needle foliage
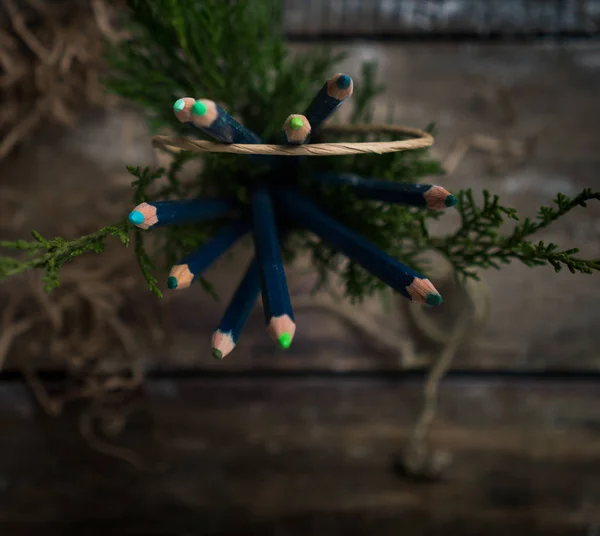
[233,51]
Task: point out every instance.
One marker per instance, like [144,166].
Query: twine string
[418,139]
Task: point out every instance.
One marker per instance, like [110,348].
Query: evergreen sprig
[479,244]
[51,255]
[234,52]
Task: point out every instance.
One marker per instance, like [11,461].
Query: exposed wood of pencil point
[282,330]
[143,216]
[222,344]
[180,277]
[296,128]
[340,86]
[204,113]
[183,109]
[439,198]
[422,291]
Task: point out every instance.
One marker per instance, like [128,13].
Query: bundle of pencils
[275,205]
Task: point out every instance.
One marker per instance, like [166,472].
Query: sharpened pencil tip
[136,217]
[450,201]
[343,82]
[199,108]
[172,282]
[217,354]
[296,123]
[285,340]
[433,300]
[179,105]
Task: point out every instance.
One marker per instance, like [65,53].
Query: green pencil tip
[433,300]
[199,108]
[172,282]
[285,340]
[136,217]
[179,105]
[450,201]
[296,123]
[217,354]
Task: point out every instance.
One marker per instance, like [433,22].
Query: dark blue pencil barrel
[276,297]
[157,214]
[335,91]
[242,303]
[306,214]
[183,274]
[414,195]
[391,192]
[216,122]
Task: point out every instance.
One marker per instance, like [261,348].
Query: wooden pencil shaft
[391,271]
[188,210]
[216,122]
[200,259]
[390,192]
[242,302]
[274,288]
[335,91]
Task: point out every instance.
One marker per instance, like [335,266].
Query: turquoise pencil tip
[136,217]
[450,201]
[172,283]
[343,82]
[179,105]
[433,300]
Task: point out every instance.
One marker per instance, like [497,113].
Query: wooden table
[305,442]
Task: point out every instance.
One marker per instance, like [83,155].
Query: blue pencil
[211,119]
[226,336]
[216,122]
[415,195]
[183,274]
[400,277]
[335,91]
[275,295]
[160,213]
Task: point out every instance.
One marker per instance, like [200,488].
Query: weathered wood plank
[539,319]
[304,18]
[310,457]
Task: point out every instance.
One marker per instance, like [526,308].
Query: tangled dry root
[50,63]
[87,328]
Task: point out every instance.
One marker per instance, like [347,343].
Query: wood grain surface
[539,320]
[309,456]
[400,18]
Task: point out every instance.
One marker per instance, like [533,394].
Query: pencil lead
[172,282]
[285,340]
[199,108]
[296,123]
[343,82]
[136,217]
[217,354]
[433,300]
[450,201]
[179,105]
